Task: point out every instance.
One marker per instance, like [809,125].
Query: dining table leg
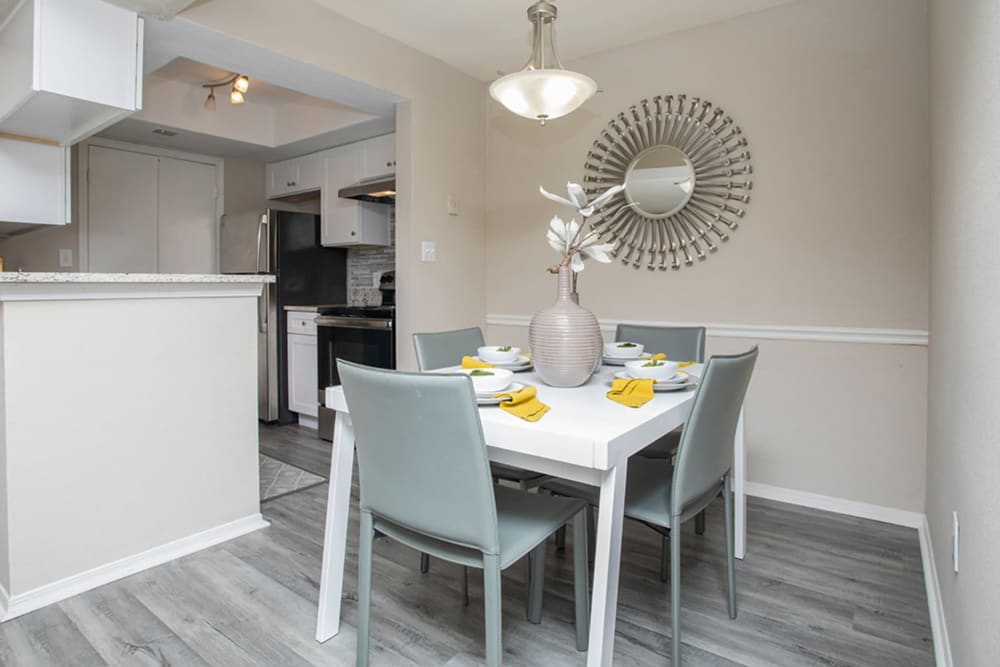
[338,502]
[607,561]
[739,489]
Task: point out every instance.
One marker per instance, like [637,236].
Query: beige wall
[832,97]
[964,429]
[440,149]
[243,185]
[141,432]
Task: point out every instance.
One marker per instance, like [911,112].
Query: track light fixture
[240,85]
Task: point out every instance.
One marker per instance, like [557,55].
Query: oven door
[368,341]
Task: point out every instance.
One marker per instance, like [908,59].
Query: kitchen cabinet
[295,176]
[348,222]
[303,376]
[378,156]
[34,183]
[147,212]
[69,68]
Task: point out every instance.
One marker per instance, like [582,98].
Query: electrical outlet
[954,541]
[428,251]
[65,258]
[452,205]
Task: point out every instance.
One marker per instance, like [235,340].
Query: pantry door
[187,230]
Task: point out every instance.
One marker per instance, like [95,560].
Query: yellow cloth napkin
[472,362]
[523,404]
[633,393]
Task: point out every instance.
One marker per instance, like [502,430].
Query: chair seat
[524,520]
[647,490]
[664,448]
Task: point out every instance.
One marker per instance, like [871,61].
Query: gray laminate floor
[815,589]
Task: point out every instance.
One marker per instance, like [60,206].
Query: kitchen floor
[815,588]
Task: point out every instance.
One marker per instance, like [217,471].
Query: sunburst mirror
[686,170]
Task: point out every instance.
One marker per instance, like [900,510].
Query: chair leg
[581,579]
[536,585]
[730,554]
[591,546]
[699,523]
[365,541]
[425,563]
[665,559]
[675,589]
[491,597]
[465,586]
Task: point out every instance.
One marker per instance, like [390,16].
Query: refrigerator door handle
[260,239]
[263,306]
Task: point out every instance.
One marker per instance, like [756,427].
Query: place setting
[666,375]
[503,356]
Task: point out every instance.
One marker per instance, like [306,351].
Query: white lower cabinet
[303,377]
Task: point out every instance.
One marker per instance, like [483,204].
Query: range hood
[380,190]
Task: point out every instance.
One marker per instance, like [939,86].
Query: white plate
[522,364]
[620,361]
[681,380]
[488,399]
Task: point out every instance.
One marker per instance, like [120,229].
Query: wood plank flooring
[815,589]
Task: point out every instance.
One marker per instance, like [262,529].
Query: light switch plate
[452,205]
[65,258]
[428,251]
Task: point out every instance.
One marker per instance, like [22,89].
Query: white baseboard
[42,596]
[4,602]
[939,629]
[839,505]
[305,421]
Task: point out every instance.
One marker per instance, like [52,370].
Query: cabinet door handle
[388,164]
[353,233]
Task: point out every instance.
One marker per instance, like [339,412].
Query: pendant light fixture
[543,89]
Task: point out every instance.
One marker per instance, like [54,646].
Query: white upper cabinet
[348,222]
[378,156]
[34,183]
[295,176]
[69,68]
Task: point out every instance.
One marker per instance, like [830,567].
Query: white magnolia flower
[578,198]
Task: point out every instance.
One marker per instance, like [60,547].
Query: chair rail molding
[829,334]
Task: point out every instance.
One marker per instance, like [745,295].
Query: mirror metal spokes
[686,171]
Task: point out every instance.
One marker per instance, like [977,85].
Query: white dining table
[585,437]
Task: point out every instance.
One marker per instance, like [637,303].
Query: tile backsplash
[362,263]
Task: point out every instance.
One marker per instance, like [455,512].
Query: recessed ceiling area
[272,123]
[480,37]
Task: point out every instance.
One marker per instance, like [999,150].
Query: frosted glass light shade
[543,94]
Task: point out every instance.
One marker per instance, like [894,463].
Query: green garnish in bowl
[505,348]
[626,344]
[650,364]
[480,373]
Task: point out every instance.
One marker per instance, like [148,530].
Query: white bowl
[489,380]
[629,351]
[647,368]
[492,354]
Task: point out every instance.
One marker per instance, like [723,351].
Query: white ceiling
[158,8]
[480,37]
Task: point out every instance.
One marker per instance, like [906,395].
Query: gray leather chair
[679,344]
[425,481]
[663,496]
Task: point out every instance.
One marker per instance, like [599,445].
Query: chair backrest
[422,459]
[678,343]
[446,348]
[705,452]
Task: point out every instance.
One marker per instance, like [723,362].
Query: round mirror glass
[659,181]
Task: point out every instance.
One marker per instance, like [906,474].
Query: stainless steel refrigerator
[287,245]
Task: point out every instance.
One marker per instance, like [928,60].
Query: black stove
[384,312]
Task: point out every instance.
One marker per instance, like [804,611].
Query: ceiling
[189,71]
[159,8]
[480,37]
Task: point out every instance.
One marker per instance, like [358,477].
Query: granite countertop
[313,309]
[150,278]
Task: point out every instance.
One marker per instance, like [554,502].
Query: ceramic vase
[565,339]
